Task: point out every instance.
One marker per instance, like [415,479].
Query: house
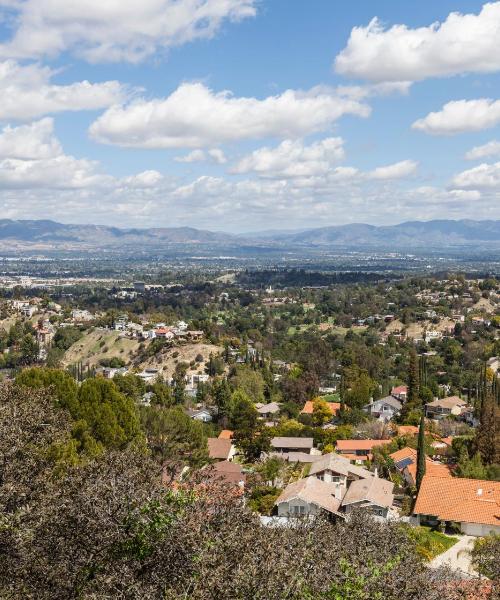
[292,444]
[409,430]
[384,409]
[267,411]
[400,392]
[473,503]
[164,333]
[309,408]
[295,457]
[405,460]
[370,493]
[358,451]
[227,472]
[338,470]
[149,375]
[493,363]
[309,497]
[201,414]
[221,449]
[445,407]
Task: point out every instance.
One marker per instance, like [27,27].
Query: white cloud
[490,149]
[194,116]
[27,92]
[146,179]
[116,30]
[30,142]
[460,116]
[293,159]
[214,155]
[463,43]
[397,170]
[482,176]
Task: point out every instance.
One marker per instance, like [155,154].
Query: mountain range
[26,235]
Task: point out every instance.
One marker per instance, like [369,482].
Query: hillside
[440,234]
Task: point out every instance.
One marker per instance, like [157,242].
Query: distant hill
[412,234]
[440,234]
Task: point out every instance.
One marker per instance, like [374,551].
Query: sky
[247,115]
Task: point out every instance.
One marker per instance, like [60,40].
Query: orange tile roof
[346,445]
[309,407]
[226,434]
[460,500]
[432,469]
[405,452]
[407,430]
[400,389]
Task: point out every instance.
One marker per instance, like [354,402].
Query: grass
[431,543]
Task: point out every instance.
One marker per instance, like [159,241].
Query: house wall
[479,530]
[286,509]
[380,511]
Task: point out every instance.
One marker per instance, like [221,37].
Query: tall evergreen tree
[486,435]
[413,379]
[420,453]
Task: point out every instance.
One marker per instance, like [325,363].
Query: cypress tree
[420,453]
[486,442]
[413,382]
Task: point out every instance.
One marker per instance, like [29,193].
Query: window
[336,479]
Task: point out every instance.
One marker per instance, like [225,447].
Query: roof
[400,389]
[404,453]
[272,407]
[219,448]
[449,402]
[346,445]
[460,500]
[432,469]
[226,434]
[373,489]
[292,442]
[309,407]
[394,402]
[300,457]
[406,458]
[228,472]
[338,464]
[313,491]
[407,430]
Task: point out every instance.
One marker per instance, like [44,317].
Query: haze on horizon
[249,115]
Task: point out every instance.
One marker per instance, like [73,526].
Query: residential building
[292,444]
[309,408]
[405,460]
[358,451]
[370,493]
[268,411]
[384,409]
[473,503]
[309,497]
[445,407]
[400,392]
[221,449]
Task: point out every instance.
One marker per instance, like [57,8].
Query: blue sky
[240,115]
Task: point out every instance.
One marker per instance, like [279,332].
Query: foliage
[430,543]
[485,555]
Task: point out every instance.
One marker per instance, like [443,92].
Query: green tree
[421,455]
[321,412]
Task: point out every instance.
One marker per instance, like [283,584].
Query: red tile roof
[309,407]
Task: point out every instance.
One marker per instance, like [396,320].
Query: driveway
[457,557]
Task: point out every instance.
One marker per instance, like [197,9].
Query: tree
[485,555]
[174,438]
[29,349]
[470,468]
[321,412]
[111,528]
[413,379]
[421,456]
[488,432]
